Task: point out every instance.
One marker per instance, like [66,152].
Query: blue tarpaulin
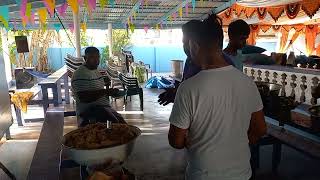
[159,82]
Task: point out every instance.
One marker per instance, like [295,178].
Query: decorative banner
[80,2]
[92,5]
[180,12]
[146,28]
[23,8]
[103,3]
[132,27]
[32,18]
[187,9]
[292,10]
[74,5]
[57,27]
[71,27]
[135,15]
[170,18]
[28,10]
[193,5]
[42,13]
[157,27]
[24,20]
[50,5]
[62,9]
[14,24]
[111,3]
[4,15]
[18,2]
[129,22]
[161,25]
[174,15]
[83,27]
[131,19]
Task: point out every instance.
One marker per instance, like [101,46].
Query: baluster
[275,76]
[284,83]
[259,75]
[303,87]
[293,85]
[245,70]
[252,74]
[267,73]
[315,82]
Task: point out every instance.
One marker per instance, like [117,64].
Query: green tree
[120,39]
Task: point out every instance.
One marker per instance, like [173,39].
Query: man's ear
[194,48]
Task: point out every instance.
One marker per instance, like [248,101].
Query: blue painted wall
[157,56]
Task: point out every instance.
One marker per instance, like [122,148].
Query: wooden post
[77,33]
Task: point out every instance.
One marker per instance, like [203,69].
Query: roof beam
[175,9]
[221,8]
[134,8]
[35,5]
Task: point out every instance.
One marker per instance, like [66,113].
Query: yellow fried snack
[21,99]
[95,136]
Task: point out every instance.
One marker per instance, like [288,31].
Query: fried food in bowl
[95,143]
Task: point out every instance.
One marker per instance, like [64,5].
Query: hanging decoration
[91,5]
[80,2]
[180,12]
[157,27]
[174,16]
[32,18]
[254,30]
[276,28]
[187,9]
[135,15]
[112,3]
[262,12]
[62,9]
[276,12]
[57,27]
[18,2]
[310,7]
[292,10]
[193,2]
[83,27]
[74,5]
[23,8]
[24,20]
[28,10]
[311,34]
[132,27]
[103,3]
[4,16]
[265,28]
[42,12]
[50,5]
[283,40]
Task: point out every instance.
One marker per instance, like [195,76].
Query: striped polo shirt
[84,79]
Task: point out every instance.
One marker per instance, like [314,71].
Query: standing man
[213,110]
[88,86]
[238,32]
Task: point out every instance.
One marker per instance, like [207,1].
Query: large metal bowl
[99,156]
[268,89]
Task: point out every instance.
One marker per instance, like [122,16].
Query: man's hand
[167,97]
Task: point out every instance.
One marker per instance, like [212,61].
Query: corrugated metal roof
[147,12]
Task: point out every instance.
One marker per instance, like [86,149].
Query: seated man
[88,85]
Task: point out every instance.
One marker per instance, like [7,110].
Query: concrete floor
[153,158]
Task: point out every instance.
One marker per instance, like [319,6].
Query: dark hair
[209,31]
[238,28]
[91,50]
[189,28]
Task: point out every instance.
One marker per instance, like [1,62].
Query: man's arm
[90,96]
[257,128]
[177,137]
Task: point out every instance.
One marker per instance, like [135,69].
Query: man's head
[206,39]
[187,30]
[238,32]
[92,57]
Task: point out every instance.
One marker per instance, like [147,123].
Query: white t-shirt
[216,106]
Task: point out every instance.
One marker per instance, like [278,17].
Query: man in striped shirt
[88,86]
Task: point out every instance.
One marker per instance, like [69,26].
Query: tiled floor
[152,157]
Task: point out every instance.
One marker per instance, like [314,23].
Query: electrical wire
[56,14]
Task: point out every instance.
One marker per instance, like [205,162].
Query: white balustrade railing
[295,82]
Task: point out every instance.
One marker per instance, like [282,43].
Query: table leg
[66,89]
[55,95]
[45,98]
[18,115]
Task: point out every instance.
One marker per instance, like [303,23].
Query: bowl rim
[106,147]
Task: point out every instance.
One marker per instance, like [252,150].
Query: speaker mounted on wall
[22,44]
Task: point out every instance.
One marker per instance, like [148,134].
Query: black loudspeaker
[22,44]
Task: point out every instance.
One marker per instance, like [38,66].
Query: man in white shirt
[213,110]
